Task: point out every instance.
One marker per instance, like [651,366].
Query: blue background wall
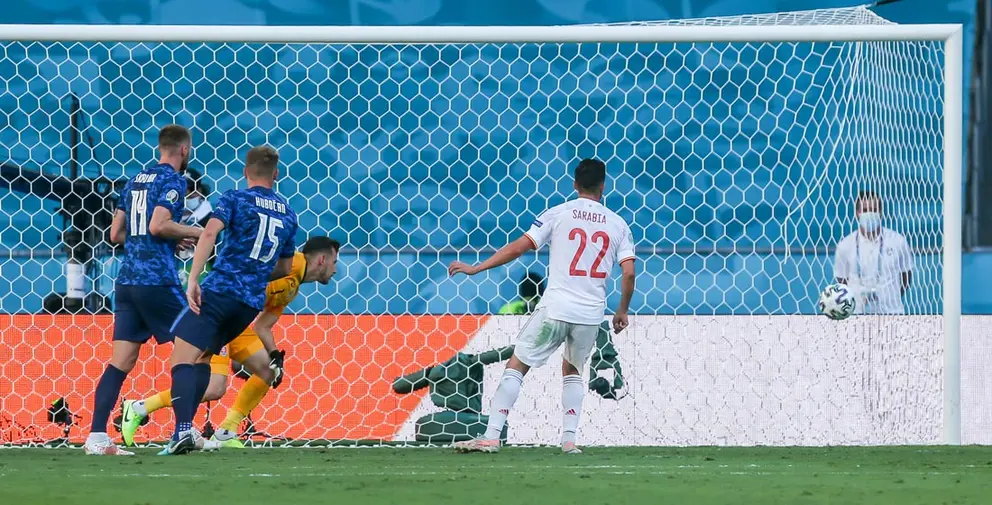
[438,12]
[497,155]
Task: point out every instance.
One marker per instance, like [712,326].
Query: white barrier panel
[761,380]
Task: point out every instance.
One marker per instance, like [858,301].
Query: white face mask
[193,202]
[870,221]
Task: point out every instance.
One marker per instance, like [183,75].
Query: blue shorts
[221,320]
[143,311]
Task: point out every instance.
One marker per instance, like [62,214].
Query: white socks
[503,400]
[139,408]
[572,392]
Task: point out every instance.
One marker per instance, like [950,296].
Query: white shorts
[541,337]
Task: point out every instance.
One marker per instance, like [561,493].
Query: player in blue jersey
[259,245]
[148,297]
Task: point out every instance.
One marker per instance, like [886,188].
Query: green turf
[697,476]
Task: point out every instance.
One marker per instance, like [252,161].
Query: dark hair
[590,174]
[262,161]
[865,196]
[316,245]
[532,285]
[194,182]
[172,136]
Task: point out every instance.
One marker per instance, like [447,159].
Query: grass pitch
[414,476]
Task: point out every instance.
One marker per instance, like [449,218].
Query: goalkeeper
[255,349]
[531,290]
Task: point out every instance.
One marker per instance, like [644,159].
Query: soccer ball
[837,302]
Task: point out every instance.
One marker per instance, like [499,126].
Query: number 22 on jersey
[267,226]
[599,238]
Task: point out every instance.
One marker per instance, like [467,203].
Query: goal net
[734,153]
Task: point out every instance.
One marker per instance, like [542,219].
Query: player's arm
[538,235]
[169,202]
[504,255]
[284,267]
[626,257]
[222,215]
[118,228]
[627,284]
[263,327]
[204,248]
[162,226]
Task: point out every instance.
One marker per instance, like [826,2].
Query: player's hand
[277,364]
[193,296]
[457,267]
[620,322]
[186,244]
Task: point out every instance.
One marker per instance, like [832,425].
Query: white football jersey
[586,240]
[874,269]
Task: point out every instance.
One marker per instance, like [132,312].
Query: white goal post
[478,35]
[658,330]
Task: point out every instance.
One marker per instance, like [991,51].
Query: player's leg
[161,307]
[220,369]
[108,389]
[248,350]
[578,345]
[572,392]
[190,366]
[135,412]
[202,372]
[190,369]
[536,342]
[129,333]
[209,387]
[499,408]
[503,400]
[198,337]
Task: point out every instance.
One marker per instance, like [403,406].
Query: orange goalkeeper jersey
[280,292]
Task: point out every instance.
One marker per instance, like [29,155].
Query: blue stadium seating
[448,150]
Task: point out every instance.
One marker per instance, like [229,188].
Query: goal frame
[949,34]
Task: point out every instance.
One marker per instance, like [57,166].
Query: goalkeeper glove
[276,364]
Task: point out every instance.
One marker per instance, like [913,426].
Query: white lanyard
[857,256]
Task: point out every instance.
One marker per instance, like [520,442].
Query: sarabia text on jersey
[260,228]
[586,240]
[149,260]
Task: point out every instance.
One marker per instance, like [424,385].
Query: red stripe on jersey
[532,241]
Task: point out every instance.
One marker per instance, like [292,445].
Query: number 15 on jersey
[267,227]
